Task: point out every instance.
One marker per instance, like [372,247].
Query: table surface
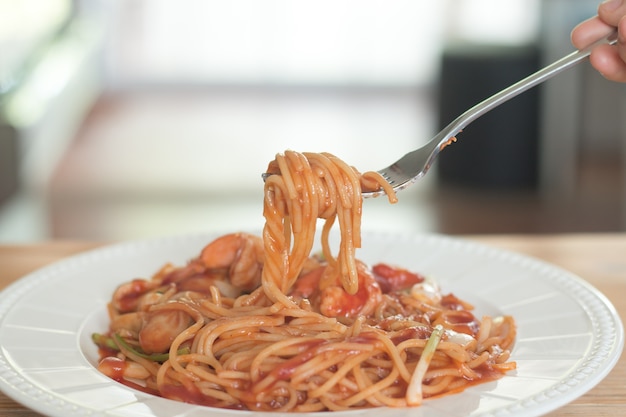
[598,258]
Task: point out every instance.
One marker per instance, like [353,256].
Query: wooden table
[598,258]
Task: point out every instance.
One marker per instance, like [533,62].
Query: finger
[621,38]
[612,11]
[607,60]
[589,32]
[620,47]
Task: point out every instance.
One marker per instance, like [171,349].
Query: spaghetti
[260,323]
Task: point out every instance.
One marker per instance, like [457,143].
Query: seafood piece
[127,296]
[160,328]
[240,254]
[322,286]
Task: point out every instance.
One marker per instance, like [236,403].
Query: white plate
[569,335]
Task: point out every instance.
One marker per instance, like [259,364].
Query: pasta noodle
[261,323]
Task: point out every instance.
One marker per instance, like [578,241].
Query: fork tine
[412,166]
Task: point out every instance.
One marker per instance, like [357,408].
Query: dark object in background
[8,162]
[500,149]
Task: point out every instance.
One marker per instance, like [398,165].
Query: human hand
[609,60]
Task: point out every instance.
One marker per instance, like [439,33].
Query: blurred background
[125,119]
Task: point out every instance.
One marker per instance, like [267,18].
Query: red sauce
[411,333]
[461,321]
[452,302]
[392,278]
[113,367]
[187,393]
[355,302]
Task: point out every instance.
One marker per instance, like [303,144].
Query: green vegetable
[116,343]
[154,357]
[104,342]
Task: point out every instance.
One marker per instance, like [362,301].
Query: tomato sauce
[187,393]
[461,321]
[393,279]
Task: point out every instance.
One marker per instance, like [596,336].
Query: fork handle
[527,83]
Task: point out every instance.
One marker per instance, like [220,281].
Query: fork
[415,164]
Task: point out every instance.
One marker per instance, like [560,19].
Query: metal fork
[415,164]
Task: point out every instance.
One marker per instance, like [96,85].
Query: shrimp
[160,328]
[127,296]
[240,254]
[322,286]
[127,324]
[232,263]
